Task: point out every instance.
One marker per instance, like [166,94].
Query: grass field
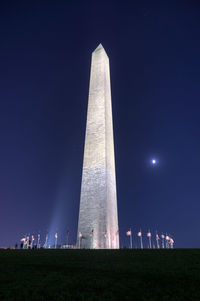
[148,275]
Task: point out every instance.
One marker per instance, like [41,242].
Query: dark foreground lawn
[100,275]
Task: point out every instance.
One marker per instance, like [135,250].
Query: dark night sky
[45,53]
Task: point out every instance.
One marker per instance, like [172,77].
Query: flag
[139,234]
[128,233]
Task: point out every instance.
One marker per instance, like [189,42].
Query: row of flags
[154,241]
[162,241]
[31,241]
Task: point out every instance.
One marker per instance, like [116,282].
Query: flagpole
[23,239]
[150,242]
[131,243]
[56,237]
[171,243]
[141,242]
[67,234]
[92,240]
[32,241]
[25,242]
[140,237]
[167,243]
[80,237]
[157,240]
[149,236]
[46,241]
[163,241]
[38,242]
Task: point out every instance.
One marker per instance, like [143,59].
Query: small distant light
[153,161]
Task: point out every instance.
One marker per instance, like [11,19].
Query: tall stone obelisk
[98,220]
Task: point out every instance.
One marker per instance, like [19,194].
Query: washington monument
[98,220]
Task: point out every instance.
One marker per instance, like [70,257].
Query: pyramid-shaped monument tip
[99,47]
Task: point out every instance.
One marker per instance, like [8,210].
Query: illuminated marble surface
[98,220]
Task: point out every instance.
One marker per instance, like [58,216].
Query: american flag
[149,234]
[128,233]
[139,234]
